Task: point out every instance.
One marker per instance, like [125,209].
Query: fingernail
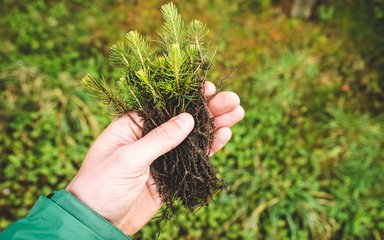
[185,120]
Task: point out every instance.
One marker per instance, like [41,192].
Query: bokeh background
[307,162]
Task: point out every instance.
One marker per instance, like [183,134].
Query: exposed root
[185,173]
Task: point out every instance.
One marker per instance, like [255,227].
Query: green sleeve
[62,216]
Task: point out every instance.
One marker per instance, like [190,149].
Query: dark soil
[185,173]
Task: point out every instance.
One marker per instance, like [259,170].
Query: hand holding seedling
[115,179]
[171,122]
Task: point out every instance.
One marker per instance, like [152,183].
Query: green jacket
[61,216]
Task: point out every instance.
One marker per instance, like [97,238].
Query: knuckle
[163,134]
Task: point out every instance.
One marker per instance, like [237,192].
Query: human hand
[114,179]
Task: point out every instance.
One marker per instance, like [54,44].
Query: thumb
[163,138]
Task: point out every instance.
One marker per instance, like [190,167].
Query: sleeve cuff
[86,216]
[62,216]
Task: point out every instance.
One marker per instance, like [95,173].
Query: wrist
[95,200]
[81,196]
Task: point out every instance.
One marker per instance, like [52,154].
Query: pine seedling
[160,83]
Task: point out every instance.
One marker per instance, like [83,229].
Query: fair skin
[114,179]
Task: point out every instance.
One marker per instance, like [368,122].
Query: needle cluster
[172,71]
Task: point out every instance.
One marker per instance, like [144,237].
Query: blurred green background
[307,162]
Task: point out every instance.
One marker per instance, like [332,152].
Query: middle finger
[222,103]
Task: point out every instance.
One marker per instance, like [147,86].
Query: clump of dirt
[185,172]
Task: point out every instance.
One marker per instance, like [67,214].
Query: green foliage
[169,74]
[38,34]
[305,163]
[362,24]
[43,122]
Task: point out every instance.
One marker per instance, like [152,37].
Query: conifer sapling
[160,83]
